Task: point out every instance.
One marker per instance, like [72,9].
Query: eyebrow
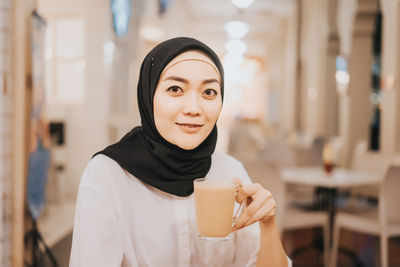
[180,79]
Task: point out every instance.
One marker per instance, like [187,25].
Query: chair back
[308,155]
[389,198]
[358,155]
[368,161]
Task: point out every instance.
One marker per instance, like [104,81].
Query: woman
[135,204]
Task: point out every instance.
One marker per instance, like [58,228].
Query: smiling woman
[135,204]
[187,101]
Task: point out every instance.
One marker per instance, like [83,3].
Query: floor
[365,247]
[61,252]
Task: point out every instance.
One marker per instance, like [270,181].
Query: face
[187,101]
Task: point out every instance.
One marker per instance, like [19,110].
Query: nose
[192,105]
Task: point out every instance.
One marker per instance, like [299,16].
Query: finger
[260,200]
[238,183]
[247,191]
[263,214]
[251,211]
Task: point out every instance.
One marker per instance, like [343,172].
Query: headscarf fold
[143,152]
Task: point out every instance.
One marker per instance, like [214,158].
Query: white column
[275,114]
[288,90]
[329,97]
[356,44]
[319,47]
[390,105]
[397,121]
[311,64]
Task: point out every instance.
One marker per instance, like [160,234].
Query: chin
[188,144]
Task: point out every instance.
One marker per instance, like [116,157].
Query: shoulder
[225,165]
[220,158]
[100,170]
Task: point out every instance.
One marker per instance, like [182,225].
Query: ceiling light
[152,33]
[342,77]
[242,3]
[237,29]
[236,47]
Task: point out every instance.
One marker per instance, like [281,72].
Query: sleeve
[97,238]
[248,238]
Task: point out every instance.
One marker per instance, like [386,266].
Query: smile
[190,125]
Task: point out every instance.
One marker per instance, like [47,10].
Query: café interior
[311,109]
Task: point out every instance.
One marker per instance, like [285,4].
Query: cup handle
[241,207]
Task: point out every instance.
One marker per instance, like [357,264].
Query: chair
[285,153]
[383,221]
[367,161]
[288,217]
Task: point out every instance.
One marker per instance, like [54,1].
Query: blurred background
[312,104]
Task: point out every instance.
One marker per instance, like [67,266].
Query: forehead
[191,68]
[190,60]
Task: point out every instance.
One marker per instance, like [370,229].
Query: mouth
[189,125]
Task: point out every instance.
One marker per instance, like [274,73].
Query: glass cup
[328,167]
[214,202]
[328,155]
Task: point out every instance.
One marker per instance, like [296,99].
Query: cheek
[213,111]
[159,114]
[164,110]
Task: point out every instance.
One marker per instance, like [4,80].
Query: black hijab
[147,155]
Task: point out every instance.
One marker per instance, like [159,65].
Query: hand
[259,204]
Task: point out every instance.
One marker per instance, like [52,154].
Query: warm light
[328,153]
[342,81]
[233,60]
[237,76]
[108,51]
[375,98]
[342,77]
[252,64]
[236,47]
[237,29]
[387,82]
[151,33]
[242,3]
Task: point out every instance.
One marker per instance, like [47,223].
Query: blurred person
[135,204]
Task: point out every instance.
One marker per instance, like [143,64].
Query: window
[65,60]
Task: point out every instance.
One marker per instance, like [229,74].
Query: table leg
[332,193]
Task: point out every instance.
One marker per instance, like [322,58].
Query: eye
[175,90]
[210,93]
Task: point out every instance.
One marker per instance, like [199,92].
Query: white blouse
[121,221]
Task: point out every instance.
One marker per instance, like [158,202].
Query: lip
[189,127]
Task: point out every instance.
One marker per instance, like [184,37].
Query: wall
[85,118]
[5,134]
